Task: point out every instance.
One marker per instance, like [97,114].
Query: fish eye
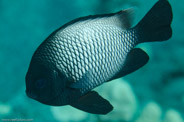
[39,84]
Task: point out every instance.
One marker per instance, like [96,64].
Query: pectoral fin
[92,102]
[83,82]
[135,60]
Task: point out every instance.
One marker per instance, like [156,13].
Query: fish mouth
[31,95]
[53,101]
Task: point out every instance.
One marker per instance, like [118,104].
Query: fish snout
[31,95]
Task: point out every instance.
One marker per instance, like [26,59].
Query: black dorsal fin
[122,19]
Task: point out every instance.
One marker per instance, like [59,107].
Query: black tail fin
[156,24]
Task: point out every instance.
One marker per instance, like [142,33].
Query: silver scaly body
[91,51]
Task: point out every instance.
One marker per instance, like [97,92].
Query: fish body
[90,51]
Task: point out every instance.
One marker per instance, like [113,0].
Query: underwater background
[154,93]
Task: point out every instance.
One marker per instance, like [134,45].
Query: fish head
[43,82]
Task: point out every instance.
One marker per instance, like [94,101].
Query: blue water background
[152,94]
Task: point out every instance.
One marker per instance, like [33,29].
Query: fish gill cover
[153,93]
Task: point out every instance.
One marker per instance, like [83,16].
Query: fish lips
[53,101]
[31,95]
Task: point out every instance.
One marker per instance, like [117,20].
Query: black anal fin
[135,59]
[92,102]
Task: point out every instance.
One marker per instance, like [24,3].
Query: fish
[90,51]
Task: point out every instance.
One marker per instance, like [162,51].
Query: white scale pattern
[90,51]
[95,52]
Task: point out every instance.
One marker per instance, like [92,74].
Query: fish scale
[111,49]
[102,65]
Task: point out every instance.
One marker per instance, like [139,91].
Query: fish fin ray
[92,102]
[156,24]
[83,82]
[136,58]
[125,17]
[121,19]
